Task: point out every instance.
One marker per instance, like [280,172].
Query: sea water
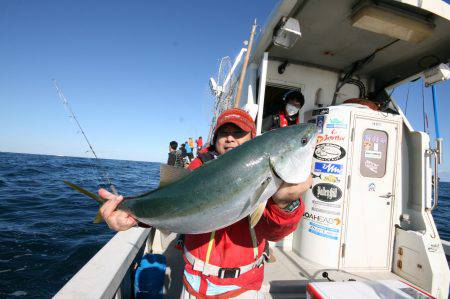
[46,230]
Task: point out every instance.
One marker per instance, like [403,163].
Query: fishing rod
[77,123]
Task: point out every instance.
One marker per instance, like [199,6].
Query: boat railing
[103,275]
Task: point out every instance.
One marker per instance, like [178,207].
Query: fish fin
[256,215]
[85,192]
[169,174]
[98,218]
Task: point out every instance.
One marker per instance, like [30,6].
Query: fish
[225,190]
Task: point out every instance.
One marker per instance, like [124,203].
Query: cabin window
[373,153]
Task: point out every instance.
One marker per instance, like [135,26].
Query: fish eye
[304,141]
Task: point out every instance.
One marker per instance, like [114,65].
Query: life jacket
[283,122]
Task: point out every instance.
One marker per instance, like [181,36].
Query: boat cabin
[368,220]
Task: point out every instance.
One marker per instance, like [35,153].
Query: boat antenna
[244,67]
[77,123]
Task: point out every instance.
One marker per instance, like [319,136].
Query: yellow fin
[169,174]
[85,192]
[98,218]
[256,215]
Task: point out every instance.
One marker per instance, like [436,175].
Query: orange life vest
[284,121]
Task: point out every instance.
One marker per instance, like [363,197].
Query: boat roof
[329,40]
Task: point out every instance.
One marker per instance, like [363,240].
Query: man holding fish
[224,256]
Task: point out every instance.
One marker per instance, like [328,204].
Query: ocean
[46,230]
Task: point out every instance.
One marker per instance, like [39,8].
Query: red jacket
[233,244]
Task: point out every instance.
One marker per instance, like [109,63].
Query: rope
[211,242]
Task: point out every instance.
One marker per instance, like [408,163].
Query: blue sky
[135,72]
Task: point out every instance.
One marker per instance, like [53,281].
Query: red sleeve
[276,223]
[196,163]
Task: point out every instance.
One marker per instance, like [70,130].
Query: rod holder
[439,149]
[433,153]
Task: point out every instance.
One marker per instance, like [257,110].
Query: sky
[135,73]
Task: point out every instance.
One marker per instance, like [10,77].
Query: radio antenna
[77,123]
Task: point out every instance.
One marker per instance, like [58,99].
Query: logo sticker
[371,166]
[329,152]
[326,204]
[327,192]
[372,154]
[329,178]
[336,123]
[328,168]
[320,111]
[326,137]
[320,120]
[316,232]
[325,211]
[322,219]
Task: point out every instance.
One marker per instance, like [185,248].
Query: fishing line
[78,125]
[407,97]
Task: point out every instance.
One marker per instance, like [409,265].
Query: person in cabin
[199,142]
[235,255]
[175,157]
[290,115]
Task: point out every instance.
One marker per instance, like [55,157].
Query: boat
[368,228]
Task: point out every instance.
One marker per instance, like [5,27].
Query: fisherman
[191,144]
[175,157]
[199,142]
[189,153]
[228,262]
[290,115]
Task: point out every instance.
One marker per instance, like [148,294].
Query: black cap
[173,145]
[295,95]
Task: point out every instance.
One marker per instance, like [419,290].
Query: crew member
[290,115]
[236,252]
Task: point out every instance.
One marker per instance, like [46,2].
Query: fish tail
[98,218]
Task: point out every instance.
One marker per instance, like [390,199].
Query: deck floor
[288,276]
[285,278]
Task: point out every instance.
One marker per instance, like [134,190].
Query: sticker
[326,204]
[323,233]
[373,138]
[320,111]
[372,166]
[328,168]
[320,120]
[322,219]
[327,192]
[372,187]
[329,178]
[329,152]
[337,213]
[326,137]
[336,123]
[375,154]
[330,229]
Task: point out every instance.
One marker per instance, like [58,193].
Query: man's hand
[290,192]
[116,220]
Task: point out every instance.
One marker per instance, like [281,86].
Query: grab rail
[102,276]
[435,153]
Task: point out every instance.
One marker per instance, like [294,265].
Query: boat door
[368,228]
